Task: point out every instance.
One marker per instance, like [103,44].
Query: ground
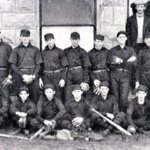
[113,142]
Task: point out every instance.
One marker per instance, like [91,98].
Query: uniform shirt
[143,62]
[124,54]
[51,110]
[77,109]
[5,51]
[98,58]
[54,59]
[109,105]
[136,111]
[77,57]
[28,107]
[25,58]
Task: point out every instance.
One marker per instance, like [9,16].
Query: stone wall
[111,18]
[16,15]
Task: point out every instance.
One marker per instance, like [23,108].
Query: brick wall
[18,14]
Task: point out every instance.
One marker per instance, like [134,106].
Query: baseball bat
[35,135]
[112,123]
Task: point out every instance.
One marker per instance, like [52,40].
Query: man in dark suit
[137,25]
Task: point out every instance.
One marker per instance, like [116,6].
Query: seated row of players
[75,115]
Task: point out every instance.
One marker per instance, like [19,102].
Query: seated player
[23,110]
[107,105]
[138,112]
[50,110]
[77,116]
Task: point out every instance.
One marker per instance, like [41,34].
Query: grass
[113,142]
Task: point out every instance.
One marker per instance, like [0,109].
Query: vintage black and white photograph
[74,74]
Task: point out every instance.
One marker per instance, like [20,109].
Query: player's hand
[41,85]
[48,122]
[77,121]
[137,85]
[21,114]
[131,59]
[84,86]
[62,83]
[97,91]
[111,116]
[97,83]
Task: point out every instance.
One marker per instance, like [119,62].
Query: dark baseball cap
[142,88]
[49,86]
[75,35]
[121,32]
[76,87]
[25,32]
[99,37]
[104,83]
[48,36]
[24,88]
[147,35]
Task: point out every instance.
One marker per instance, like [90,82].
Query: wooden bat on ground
[112,123]
[13,136]
[36,134]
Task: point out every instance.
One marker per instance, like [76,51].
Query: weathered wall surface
[18,14]
[111,18]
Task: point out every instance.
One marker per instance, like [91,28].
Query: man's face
[141,96]
[50,42]
[49,93]
[122,39]
[77,95]
[25,39]
[147,41]
[98,44]
[74,42]
[104,90]
[23,95]
[140,8]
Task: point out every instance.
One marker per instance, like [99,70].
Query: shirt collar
[29,45]
[47,48]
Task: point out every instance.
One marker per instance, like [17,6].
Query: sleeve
[5,105]
[130,110]
[14,107]
[31,110]
[38,57]
[115,106]
[139,64]
[13,62]
[86,66]
[134,63]
[61,110]
[40,109]
[8,66]
[37,70]
[68,111]
[128,31]
[64,63]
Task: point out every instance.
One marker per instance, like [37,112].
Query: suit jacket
[132,29]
